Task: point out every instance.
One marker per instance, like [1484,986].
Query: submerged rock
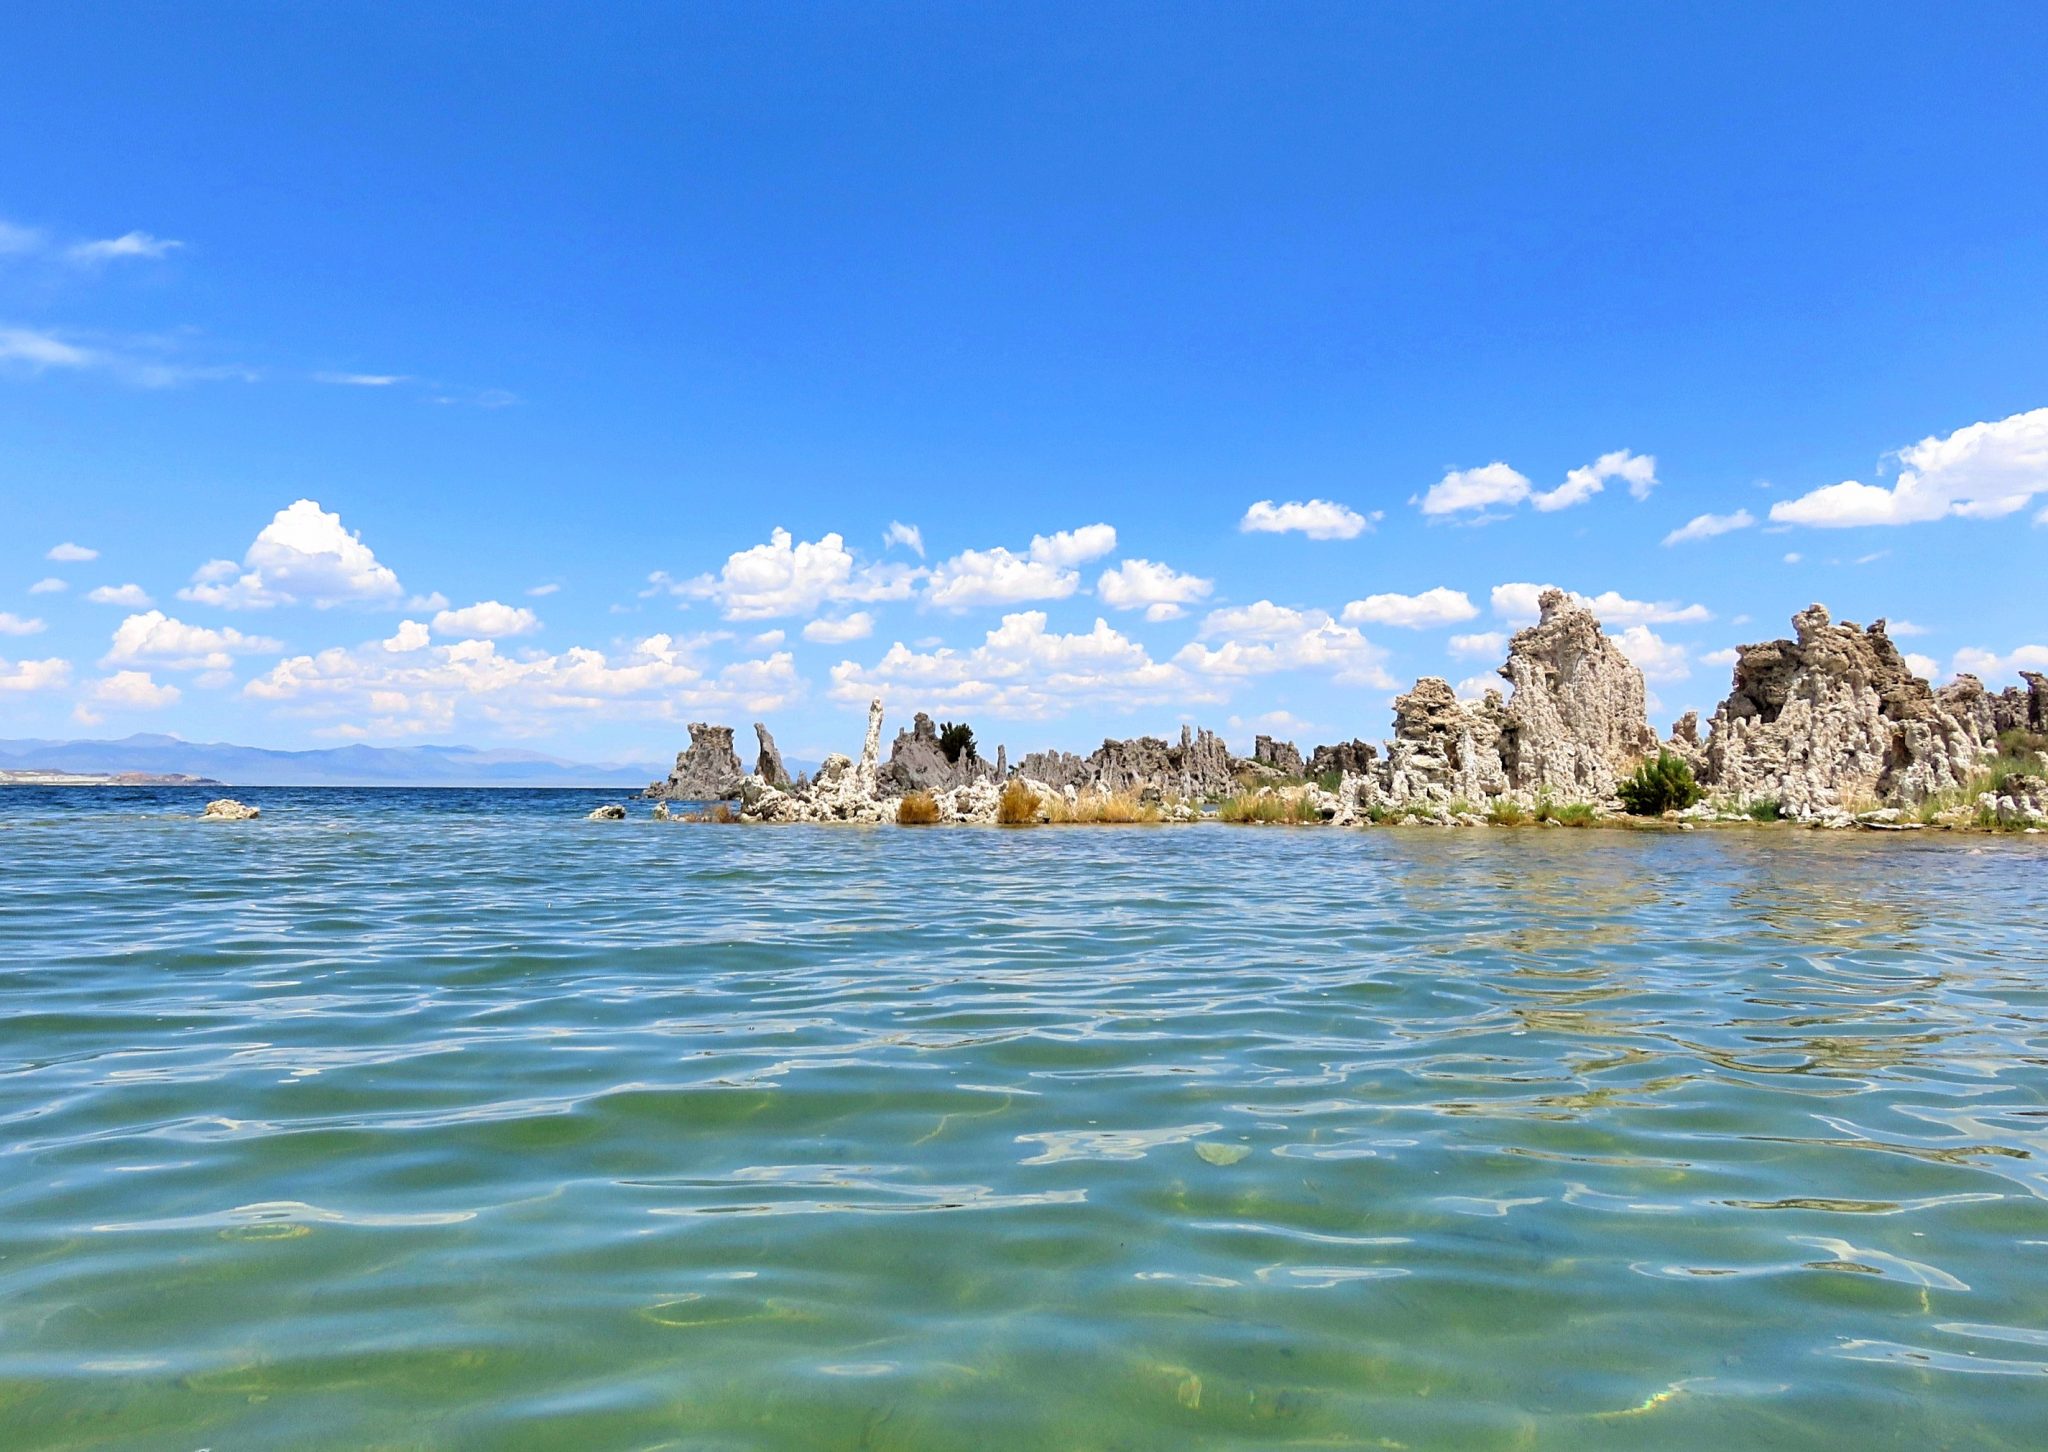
[610,812]
[709,771]
[227,809]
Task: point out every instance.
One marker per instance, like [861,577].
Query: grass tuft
[917,809]
[1101,808]
[1506,813]
[1270,808]
[1018,806]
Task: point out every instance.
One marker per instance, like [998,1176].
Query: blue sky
[605,351]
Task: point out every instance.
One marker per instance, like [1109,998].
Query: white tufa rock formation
[1834,721]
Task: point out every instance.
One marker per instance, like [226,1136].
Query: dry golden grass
[1098,808]
[1018,806]
[722,815]
[917,809]
[1290,808]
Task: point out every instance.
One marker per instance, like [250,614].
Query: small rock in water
[609,812]
[228,810]
[1222,1154]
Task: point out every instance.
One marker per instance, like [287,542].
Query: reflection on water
[446,1119]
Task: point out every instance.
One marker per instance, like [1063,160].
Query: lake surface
[449,1120]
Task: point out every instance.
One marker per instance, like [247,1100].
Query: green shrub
[1507,813]
[1660,786]
[957,741]
[1766,809]
[1269,807]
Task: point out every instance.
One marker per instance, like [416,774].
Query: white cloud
[1794,557]
[33,675]
[1497,486]
[157,638]
[38,351]
[50,586]
[133,597]
[1271,722]
[1021,670]
[1263,638]
[541,592]
[11,624]
[1474,688]
[907,535]
[1518,603]
[432,600]
[411,635]
[1658,659]
[1982,471]
[1905,628]
[128,244]
[362,380]
[16,241]
[400,687]
[134,691]
[1924,666]
[1074,546]
[71,554]
[1991,666]
[1706,526]
[790,577]
[857,626]
[1485,645]
[767,639]
[487,620]
[1316,518]
[1159,590]
[1438,606]
[1488,486]
[302,557]
[1000,576]
[1721,659]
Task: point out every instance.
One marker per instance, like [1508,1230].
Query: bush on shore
[1663,785]
[1100,808]
[917,809]
[1293,808]
[1017,807]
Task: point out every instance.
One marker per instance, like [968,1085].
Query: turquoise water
[449,1120]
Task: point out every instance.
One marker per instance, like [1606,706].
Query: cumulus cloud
[1438,606]
[302,557]
[1721,659]
[133,597]
[1991,666]
[48,586]
[71,554]
[1982,471]
[1316,518]
[411,635]
[1021,670]
[1074,546]
[1485,645]
[857,626]
[907,535]
[1498,486]
[133,691]
[1706,526]
[487,620]
[1924,666]
[1658,659]
[34,675]
[767,639]
[1517,603]
[155,637]
[12,624]
[1262,638]
[1159,590]
[403,686]
[787,576]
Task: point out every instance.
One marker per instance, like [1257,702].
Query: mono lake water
[449,1120]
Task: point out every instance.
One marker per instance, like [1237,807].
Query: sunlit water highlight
[450,1120]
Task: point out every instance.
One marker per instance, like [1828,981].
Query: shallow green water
[446,1120]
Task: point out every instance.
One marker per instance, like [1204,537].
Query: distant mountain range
[337,766]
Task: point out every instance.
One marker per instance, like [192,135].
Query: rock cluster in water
[1830,726]
[709,771]
[227,809]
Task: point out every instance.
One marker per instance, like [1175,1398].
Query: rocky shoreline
[1828,728]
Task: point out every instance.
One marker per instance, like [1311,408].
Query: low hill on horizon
[356,765]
